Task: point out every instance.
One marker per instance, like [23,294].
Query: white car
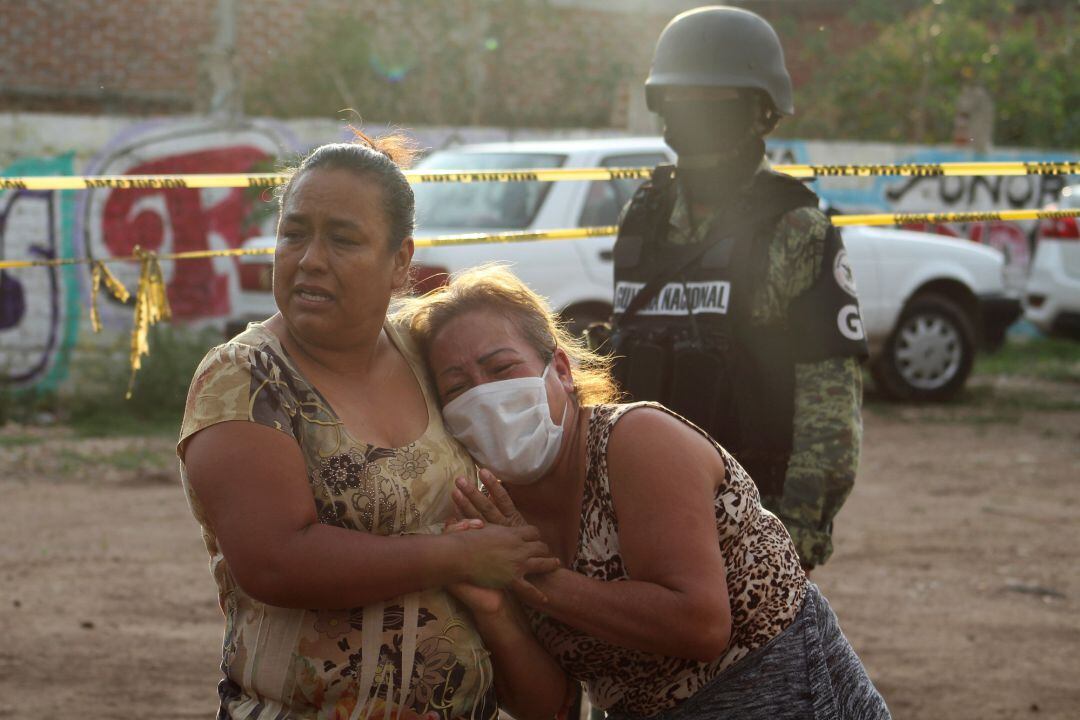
[1052,293]
[928,301]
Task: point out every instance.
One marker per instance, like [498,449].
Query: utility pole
[220,65]
[973,123]
[477,27]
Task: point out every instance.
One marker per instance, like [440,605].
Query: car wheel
[930,352]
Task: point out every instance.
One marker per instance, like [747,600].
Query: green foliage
[97,405]
[1027,375]
[902,85]
[9,441]
[1044,358]
[7,404]
[460,62]
[24,405]
[875,12]
[328,69]
[530,63]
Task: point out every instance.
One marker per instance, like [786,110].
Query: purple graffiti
[12,301]
[13,291]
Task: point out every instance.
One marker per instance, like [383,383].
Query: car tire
[929,353]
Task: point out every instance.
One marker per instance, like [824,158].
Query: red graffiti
[1004,236]
[1007,238]
[181,220]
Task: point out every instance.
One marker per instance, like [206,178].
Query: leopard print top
[766,586]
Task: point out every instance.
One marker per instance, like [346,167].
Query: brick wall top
[150,56]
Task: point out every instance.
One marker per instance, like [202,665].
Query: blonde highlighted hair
[494,288]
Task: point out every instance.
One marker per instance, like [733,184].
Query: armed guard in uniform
[734,302]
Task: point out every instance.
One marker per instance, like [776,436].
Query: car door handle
[607,255]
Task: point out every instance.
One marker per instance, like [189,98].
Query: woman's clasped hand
[496,506]
[499,554]
[495,509]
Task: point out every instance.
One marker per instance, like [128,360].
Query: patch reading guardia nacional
[677,298]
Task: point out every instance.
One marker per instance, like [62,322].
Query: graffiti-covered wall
[937,194]
[112,222]
[39,306]
[44,326]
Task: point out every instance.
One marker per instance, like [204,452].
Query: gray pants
[809,671]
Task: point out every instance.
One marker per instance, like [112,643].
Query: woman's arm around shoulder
[251,482]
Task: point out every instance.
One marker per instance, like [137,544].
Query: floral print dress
[415,656]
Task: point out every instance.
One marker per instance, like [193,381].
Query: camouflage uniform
[828,393]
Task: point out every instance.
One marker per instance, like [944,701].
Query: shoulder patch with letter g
[849,323]
[845,278]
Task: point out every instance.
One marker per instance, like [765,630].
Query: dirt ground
[956,574]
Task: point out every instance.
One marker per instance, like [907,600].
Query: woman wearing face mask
[678,595]
[315,460]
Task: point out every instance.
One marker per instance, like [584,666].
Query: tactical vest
[691,344]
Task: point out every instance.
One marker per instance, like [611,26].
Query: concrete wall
[44,327]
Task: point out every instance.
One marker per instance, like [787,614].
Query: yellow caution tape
[189,255]
[10,264]
[267,180]
[136,182]
[538,175]
[151,307]
[517,236]
[99,271]
[558,234]
[152,303]
[953,217]
[953,169]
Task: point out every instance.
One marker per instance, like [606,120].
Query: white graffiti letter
[849,323]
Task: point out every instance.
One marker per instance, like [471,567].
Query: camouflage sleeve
[827,427]
[825,453]
[795,257]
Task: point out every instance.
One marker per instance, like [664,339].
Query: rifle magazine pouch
[696,379]
[643,371]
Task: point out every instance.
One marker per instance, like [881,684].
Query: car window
[606,198]
[481,205]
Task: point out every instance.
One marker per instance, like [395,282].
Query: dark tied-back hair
[382,159]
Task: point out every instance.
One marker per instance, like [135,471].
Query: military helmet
[719,46]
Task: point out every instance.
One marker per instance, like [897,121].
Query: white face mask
[507,427]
